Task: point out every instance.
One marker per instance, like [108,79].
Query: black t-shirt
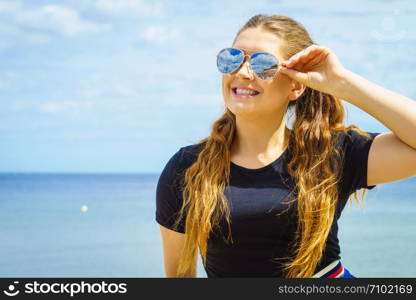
[255,197]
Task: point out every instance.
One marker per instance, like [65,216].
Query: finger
[306,51]
[315,47]
[299,66]
[312,49]
[304,55]
[309,56]
[296,75]
[303,60]
[309,61]
[315,61]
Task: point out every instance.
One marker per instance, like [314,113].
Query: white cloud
[66,106]
[7,79]
[8,29]
[135,7]
[160,34]
[58,19]
[11,34]
[24,24]
[7,6]
[99,85]
[192,100]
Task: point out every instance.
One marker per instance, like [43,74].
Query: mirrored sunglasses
[263,64]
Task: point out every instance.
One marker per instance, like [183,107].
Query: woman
[258,199]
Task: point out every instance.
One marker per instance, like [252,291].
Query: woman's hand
[316,67]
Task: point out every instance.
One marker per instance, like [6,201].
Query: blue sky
[119,86]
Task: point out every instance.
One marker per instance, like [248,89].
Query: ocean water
[45,233]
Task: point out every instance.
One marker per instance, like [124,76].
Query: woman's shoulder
[185,156]
[353,138]
[191,151]
[179,162]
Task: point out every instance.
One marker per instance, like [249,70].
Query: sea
[103,225]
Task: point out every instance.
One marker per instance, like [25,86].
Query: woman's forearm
[395,111]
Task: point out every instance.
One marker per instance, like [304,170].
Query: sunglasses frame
[249,60]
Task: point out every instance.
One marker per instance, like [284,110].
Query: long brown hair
[315,165]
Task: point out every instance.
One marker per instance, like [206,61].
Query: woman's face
[274,94]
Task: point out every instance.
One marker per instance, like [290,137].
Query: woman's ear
[297,90]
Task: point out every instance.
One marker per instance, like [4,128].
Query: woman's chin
[241,109]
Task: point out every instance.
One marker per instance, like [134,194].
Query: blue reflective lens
[263,64]
[229,59]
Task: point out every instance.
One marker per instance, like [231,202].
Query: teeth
[245,92]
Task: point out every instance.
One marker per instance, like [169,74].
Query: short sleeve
[168,194]
[356,148]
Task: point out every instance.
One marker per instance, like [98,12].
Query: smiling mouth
[243,95]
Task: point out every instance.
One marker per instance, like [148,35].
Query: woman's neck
[264,137]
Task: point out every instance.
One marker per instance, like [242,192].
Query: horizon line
[74,173]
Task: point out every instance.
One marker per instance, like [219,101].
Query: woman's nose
[245,70]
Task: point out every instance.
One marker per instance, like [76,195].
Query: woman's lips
[233,92]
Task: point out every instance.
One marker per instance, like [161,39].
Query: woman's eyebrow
[252,51]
